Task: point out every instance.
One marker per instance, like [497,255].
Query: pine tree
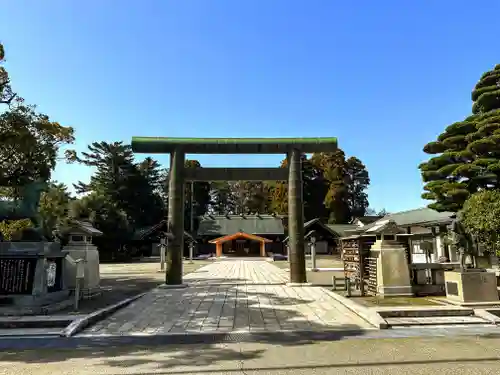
[358,182]
[468,152]
[200,198]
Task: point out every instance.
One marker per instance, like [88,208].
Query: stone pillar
[439,246]
[313,256]
[296,219]
[175,249]
[191,251]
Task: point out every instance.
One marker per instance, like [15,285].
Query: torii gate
[179,147]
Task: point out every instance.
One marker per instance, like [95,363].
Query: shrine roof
[419,217]
[154,230]
[222,225]
[328,230]
[86,227]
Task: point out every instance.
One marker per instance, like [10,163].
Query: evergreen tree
[257,197]
[199,191]
[358,182]
[121,187]
[336,178]
[221,198]
[468,152]
[313,191]
[481,217]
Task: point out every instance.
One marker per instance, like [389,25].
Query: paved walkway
[414,356]
[231,296]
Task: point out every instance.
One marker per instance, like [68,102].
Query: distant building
[425,225]
[147,240]
[327,235]
[365,220]
[241,235]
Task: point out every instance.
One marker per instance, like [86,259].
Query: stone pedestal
[471,286]
[32,276]
[393,275]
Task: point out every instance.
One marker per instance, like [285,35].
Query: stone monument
[80,247]
[469,285]
[393,274]
[31,269]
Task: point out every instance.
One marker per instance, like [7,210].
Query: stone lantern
[80,249]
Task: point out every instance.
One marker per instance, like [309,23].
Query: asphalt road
[454,355]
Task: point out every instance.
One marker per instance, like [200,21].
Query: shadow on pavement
[248,309]
[120,285]
[199,357]
[188,309]
[195,354]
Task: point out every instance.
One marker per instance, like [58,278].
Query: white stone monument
[393,273]
[80,247]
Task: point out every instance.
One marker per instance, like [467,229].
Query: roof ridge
[406,211]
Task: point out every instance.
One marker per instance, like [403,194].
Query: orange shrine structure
[219,242]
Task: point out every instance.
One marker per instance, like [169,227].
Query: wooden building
[365,220]
[426,226]
[147,240]
[240,235]
[327,235]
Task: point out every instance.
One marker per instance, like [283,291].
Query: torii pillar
[175,248]
[296,218]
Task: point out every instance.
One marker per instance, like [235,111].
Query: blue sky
[385,77]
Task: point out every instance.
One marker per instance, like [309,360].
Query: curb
[36,323]
[192,338]
[366,314]
[486,315]
[80,324]
[300,337]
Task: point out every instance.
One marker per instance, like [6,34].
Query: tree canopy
[467,153]
[126,195]
[334,188]
[481,216]
[30,140]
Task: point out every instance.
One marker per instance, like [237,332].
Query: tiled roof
[416,217]
[87,227]
[221,225]
[368,219]
[141,233]
[342,230]
[328,228]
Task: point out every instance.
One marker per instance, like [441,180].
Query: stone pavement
[231,296]
[405,356]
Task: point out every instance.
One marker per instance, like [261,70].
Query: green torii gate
[179,147]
